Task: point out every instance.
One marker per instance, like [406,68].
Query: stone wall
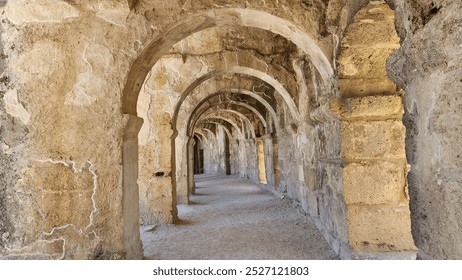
[63,150]
[428,68]
[214,153]
[90,90]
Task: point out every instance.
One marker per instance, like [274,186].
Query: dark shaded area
[159,174]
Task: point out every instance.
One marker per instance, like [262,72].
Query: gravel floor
[230,218]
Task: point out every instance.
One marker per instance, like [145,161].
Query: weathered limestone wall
[261,161]
[289,162]
[64,108]
[250,160]
[269,160]
[157,197]
[234,152]
[213,155]
[14,151]
[328,189]
[428,66]
[66,144]
[373,137]
[221,149]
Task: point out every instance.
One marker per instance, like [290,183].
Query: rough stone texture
[364,50]
[428,67]
[374,183]
[370,107]
[58,91]
[372,137]
[13,135]
[100,102]
[25,11]
[374,228]
[155,179]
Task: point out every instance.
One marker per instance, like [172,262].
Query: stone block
[156,201]
[369,107]
[373,25]
[364,62]
[367,86]
[373,139]
[380,182]
[379,228]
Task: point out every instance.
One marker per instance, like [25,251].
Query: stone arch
[186,116]
[238,70]
[208,131]
[254,111]
[229,141]
[241,116]
[232,123]
[252,94]
[202,137]
[230,135]
[159,46]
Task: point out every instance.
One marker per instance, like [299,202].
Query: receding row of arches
[111,109]
[227,111]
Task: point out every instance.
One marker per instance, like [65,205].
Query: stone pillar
[183,170]
[261,161]
[374,175]
[191,185]
[131,208]
[269,160]
[372,139]
[276,167]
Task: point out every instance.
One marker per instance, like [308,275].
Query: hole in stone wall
[434,9]
[159,174]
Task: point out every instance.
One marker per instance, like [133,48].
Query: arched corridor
[348,109]
[230,218]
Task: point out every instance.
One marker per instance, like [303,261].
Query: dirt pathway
[230,218]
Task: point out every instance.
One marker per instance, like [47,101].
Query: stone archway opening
[75,129]
[371,91]
[169,172]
